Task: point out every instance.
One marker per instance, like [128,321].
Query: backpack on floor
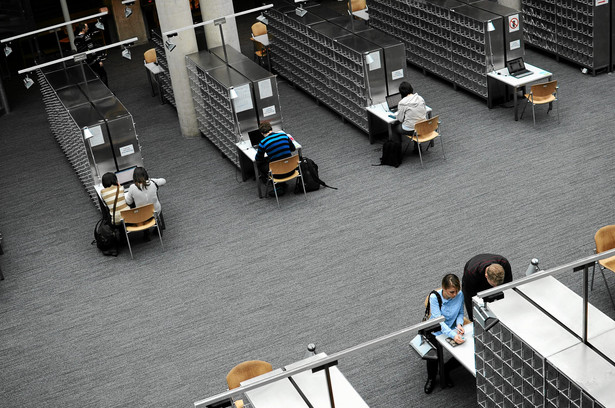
[309,171]
[106,237]
[391,154]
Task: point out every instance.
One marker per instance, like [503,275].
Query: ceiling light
[28,82]
[234,93]
[127,12]
[7,50]
[87,133]
[99,25]
[126,53]
[369,60]
[262,19]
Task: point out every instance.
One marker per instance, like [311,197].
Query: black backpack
[428,305]
[309,171]
[106,237]
[391,154]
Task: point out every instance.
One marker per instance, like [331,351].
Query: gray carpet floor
[239,279]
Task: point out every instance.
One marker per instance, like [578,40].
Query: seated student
[145,191]
[410,110]
[277,146]
[451,299]
[111,187]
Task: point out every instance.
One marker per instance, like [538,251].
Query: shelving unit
[576,30]
[328,61]
[164,77]
[529,359]
[448,38]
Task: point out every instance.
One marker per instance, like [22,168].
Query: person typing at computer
[277,146]
[410,110]
[111,190]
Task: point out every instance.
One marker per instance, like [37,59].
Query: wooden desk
[378,118]
[247,154]
[153,71]
[501,76]
[464,353]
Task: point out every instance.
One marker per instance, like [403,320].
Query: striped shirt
[277,146]
[108,196]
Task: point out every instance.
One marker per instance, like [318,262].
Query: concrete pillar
[69,28]
[214,10]
[174,14]
[132,26]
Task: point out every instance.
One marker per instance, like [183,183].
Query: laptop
[124,177]
[393,101]
[255,137]
[516,68]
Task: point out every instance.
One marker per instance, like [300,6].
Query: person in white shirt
[145,191]
[410,110]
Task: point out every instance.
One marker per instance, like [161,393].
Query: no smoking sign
[513,23]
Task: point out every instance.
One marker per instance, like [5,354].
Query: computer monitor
[125,176]
[393,101]
[515,65]
[255,137]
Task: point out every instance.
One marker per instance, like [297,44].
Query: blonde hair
[495,273]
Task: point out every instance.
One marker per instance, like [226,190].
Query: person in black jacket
[84,41]
[483,272]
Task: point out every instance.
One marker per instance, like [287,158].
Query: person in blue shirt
[450,305]
[277,146]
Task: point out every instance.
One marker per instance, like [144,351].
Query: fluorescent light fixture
[99,25]
[369,60]
[87,133]
[28,82]
[490,26]
[234,93]
[126,53]
[127,11]
[170,46]
[262,19]
[7,50]
[300,11]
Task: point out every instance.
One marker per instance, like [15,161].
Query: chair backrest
[426,126]
[138,215]
[605,238]
[284,166]
[545,89]
[259,29]
[150,55]
[358,5]
[245,371]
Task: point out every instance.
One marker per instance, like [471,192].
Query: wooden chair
[244,371]
[260,51]
[359,9]
[140,219]
[605,240]
[541,94]
[424,132]
[284,170]
[150,56]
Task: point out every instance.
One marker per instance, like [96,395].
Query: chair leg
[275,191]
[159,235]
[442,146]
[128,241]
[523,111]
[591,287]
[607,287]
[534,115]
[420,155]
[302,183]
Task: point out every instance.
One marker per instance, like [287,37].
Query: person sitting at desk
[448,303]
[410,110]
[277,146]
[483,272]
[112,188]
[145,191]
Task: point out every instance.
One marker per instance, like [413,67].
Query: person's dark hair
[140,177]
[265,127]
[451,281]
[405,89]
[109,179]
[81,27]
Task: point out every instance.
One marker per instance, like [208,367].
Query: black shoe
[429,386]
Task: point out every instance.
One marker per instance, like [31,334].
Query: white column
[174,14]
[69,28]
[216,9]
